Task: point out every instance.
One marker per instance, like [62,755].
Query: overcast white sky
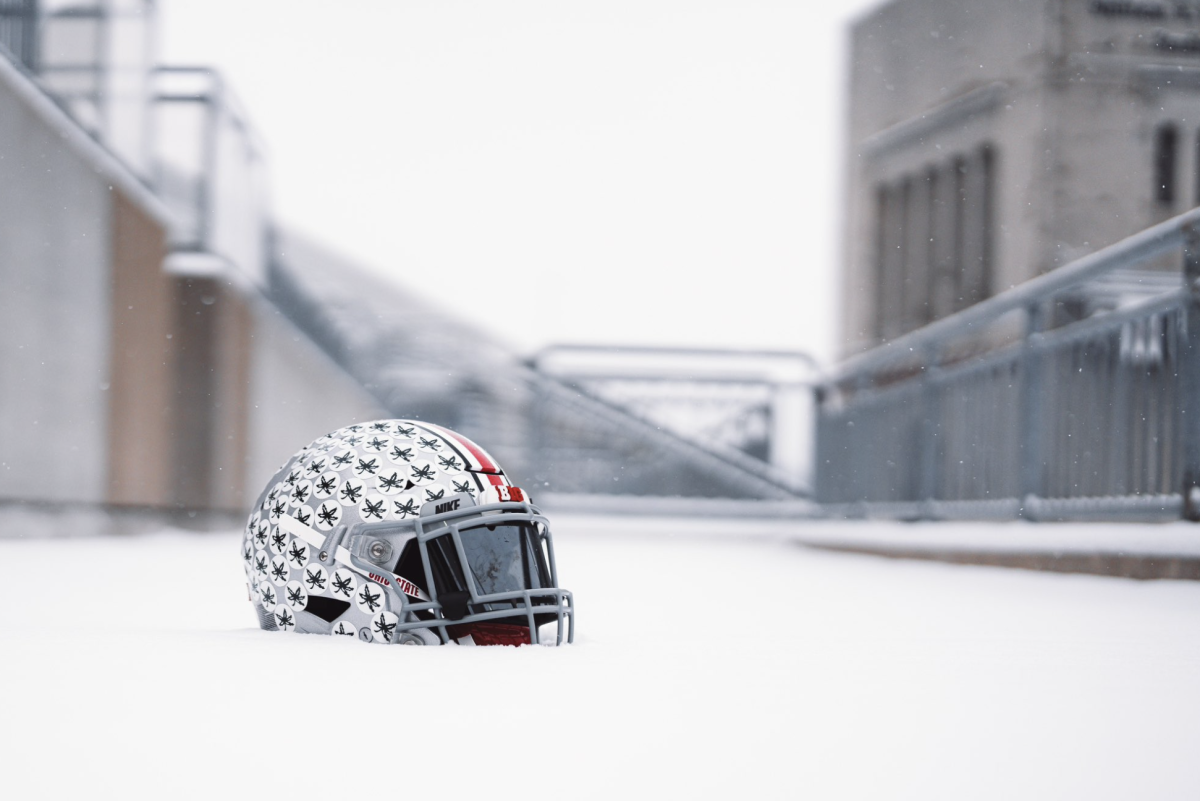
[625,171]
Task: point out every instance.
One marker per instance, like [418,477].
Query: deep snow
[704,667]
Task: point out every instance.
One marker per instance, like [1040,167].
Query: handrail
[1135,249]
[1086,416]
[667,350]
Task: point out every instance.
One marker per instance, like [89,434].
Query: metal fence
[553,434]
[1073,395]
[209,168]
[750,407]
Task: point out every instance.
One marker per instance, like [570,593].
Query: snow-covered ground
[704,667]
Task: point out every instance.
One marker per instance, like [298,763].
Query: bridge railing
[751,408]
[1075,394]
[564,442]
[210,169]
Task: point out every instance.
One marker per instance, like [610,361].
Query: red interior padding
[492,633]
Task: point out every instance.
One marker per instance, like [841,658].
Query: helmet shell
[366,473]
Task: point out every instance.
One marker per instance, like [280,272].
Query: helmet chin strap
[297,529]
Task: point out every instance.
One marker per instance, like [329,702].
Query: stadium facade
[989,143]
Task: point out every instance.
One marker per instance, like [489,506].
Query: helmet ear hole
[409,564]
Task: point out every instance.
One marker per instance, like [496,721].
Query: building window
[878,327]
[904,261]
[932,256]
[987,203]
[934,242]
[958,230]
[1165,157]
[1196,162]
[18,29]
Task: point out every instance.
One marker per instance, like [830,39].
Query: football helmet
[402,532]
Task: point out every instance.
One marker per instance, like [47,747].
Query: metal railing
[94,58]
[210,170]
[751,407]
[179,129]
[1060,398]
[558,438]
[581,444]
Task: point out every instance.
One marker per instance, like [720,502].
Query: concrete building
[991,142]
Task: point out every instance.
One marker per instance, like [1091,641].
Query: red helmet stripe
[486,463]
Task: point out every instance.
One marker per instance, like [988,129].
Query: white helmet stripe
[476,457]
[297,529]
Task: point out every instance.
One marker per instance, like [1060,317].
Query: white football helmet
[402,532]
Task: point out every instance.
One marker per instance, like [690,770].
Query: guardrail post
[861,481]
[1189,376]
[1031,480]
[820,475]
[929,432]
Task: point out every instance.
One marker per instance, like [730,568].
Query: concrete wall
[214,334]
[56,215]
[296,394]
[1117,78]
[142,408]
[911,56]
